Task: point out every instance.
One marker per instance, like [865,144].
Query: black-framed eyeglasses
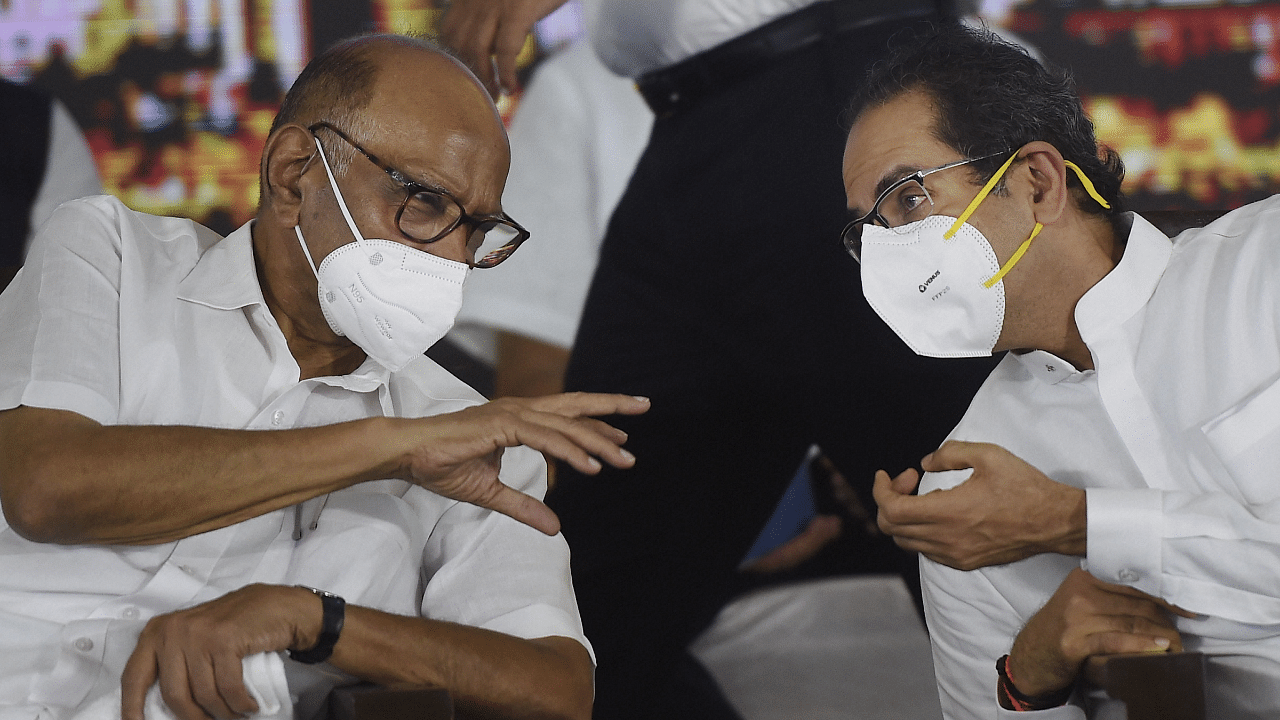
[428,214]
[905,201]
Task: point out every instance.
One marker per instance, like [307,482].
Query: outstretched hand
[488,35]
[1005,511]
[458,455]
[1085,617]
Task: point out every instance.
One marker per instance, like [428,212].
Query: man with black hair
[1135,422]
[196,427]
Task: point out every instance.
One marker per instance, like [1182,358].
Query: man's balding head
[338,85]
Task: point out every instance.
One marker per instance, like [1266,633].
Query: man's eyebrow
[894,176]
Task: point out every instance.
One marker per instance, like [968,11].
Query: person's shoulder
[1246,240]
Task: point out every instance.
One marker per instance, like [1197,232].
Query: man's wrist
[1073,539]
[1011,697]
[333,616]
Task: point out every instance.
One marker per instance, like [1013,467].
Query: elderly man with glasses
[1113,486]
[217,451]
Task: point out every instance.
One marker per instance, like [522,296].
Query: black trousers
[724,294]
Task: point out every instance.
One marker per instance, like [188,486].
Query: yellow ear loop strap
[1088,185]
[1013,260]
[982,194]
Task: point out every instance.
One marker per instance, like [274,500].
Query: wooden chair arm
[373,702]
[1153,686]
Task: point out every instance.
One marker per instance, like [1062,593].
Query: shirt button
[130,613]
[1129,576]
[277,417]
[84,644]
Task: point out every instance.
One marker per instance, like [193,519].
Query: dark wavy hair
[990,96]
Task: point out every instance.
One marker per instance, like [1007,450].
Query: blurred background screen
[176,96]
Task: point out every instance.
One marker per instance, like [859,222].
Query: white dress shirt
[576,136]
[633,37]
[1176,438]
[128,318]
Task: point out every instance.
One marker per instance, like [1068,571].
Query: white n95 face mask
[938,283]
[932,290]
[392,300]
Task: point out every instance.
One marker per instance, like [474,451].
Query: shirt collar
[1118,296]
[368,377]
[226,276]
[1127,288]
[1049,368]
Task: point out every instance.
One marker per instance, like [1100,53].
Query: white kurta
[134,319]
[1175,436]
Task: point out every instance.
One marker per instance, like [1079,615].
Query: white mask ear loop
[297,229]
[342,204]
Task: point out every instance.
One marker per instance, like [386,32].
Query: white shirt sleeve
[60,316]
[486,570]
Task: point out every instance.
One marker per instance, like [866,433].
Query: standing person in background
[46,162]
[721,295]
[575,138]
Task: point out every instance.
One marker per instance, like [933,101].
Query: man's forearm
[488,674]
[67,479]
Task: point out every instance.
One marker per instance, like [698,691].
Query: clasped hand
[458,455]
[1005,511]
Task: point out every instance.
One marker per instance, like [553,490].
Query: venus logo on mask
[924,287]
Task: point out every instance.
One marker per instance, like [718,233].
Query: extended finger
[469,28]
[507,46]
[577,441]
[522,508]
[1116,643]
[139,674]
[205,689]
[229,674]
[953,455]
[577,404]
[175,687]
[906,481]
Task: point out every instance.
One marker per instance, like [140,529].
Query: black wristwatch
[335,612]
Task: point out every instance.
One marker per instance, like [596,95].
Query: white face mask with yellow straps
[938,283]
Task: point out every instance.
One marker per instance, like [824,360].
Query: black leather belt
[670,89]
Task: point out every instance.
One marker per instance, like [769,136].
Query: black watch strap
[335,613]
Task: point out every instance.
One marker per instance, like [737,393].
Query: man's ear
[288,152]
[1047,175]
